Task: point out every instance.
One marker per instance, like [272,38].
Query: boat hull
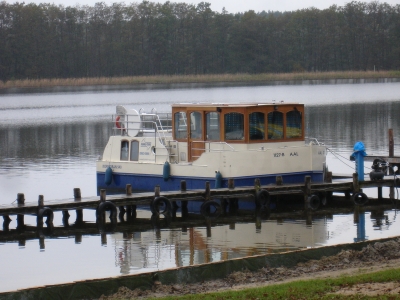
[147,182]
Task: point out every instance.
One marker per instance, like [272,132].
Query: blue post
[361,228]
[358,154]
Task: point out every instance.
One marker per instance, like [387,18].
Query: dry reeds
[217,78]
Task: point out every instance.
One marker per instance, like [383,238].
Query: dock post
[356,183]
[207,192]
[102,195]
[78,238]
[6,223]
[279,180]
[65,217]
[328,177]
[380,193]
[128,189]
[20,217]
[184,204]
[257,184]
[156,191]
[79,212]
[307,192]
[41,201]
[391,154]
[231,183]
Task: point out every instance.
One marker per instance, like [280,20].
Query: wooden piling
[380,197]
[391,155]
[328,177]
[184,204]
[20,217]
[78,238]
[157,191]
[207,191]
[77,194]
[102,195]
[41,201]
[6,223]
[79,212]
[231,183]
[66,215]
[128,189]
[307,192]
[183,186]
[356,183]
[257,184]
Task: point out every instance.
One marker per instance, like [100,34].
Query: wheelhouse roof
[210,105]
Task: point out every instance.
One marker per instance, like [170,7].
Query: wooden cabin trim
[245,109]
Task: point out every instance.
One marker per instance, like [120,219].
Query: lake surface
[49,143]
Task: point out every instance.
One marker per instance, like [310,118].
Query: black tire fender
[103,207]
[262,198]
[157,202]
[360,198]
[314,202]
[45,212]
[205,209]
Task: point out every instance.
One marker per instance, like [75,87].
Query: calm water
[49,143]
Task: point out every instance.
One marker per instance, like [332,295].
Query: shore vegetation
[210,79]
[345,287]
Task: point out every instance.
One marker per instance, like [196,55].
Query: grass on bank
[308,289]
[217,78]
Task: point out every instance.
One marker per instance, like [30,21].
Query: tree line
[49,41]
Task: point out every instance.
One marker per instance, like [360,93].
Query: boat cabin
[236,123]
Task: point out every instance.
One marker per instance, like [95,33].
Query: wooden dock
[215,200]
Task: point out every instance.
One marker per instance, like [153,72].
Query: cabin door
[196,144]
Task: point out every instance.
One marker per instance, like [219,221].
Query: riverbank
[372,271]
[229,79]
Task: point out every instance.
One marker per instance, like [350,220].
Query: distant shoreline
[194,81]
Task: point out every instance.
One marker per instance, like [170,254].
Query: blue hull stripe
[140,182]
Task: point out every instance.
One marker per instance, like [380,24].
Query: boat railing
[213,146]
[225,147]
[130,125]
[314,141]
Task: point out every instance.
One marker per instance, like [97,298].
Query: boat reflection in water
[235,237]
[185,246]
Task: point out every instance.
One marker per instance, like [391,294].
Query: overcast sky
[232,6]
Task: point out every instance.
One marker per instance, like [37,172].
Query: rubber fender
[314,202]
[46,212]
[218,180]
[360,198]
[262,198]
[103,207]
[160,202]
[166,171]
[376,175]
[108,176]
[206,210]
[159,223]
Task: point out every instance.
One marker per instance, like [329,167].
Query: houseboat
[214,142]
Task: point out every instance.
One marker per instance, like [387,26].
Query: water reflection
[140,247]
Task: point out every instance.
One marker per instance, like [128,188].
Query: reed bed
[212,78]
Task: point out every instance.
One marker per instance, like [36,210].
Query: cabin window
[124,150]
[234,126]
[212,126]
[196,126]
[256,128]
[134,150]
[180,122]
[275,125]
[293,124]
